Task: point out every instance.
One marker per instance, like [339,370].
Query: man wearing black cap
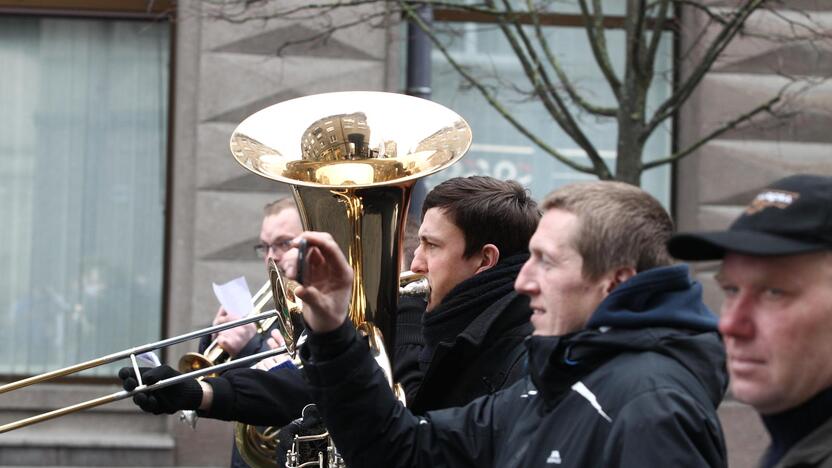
[777,316]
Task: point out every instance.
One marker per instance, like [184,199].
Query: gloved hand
[185,395]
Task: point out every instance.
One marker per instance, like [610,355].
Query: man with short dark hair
[776,318]
[472,243]
[473,239]
[626,365]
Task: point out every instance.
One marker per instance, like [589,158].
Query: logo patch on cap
[771,199]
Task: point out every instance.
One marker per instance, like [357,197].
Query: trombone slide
[141,388]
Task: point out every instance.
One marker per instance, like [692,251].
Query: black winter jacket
[639,387]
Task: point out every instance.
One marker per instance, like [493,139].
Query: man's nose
[418,264]
[273,255]
[736,317]
[525,282]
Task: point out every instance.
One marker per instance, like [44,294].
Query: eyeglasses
[262,249]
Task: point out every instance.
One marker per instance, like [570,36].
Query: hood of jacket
[659,310]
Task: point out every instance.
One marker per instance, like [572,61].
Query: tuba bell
[351,159]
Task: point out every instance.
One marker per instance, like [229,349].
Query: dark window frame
[122,9]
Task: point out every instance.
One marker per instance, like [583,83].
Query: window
[83,151]
[499,150]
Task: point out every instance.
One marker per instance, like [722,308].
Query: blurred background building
[120,202]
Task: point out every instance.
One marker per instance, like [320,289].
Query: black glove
[185,395]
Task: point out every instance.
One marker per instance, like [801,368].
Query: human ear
[618,276]
[489,256]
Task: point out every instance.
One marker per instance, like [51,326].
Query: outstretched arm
[252,396]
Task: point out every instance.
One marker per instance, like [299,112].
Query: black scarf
[465,302]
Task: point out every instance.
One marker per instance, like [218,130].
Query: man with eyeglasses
[281,224]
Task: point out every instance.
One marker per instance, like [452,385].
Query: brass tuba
[352,159]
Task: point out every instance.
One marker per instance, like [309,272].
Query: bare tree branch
[658,30]
[704,9]
[315,9]
[571,91]
[811,30]
[595,31]
[547,82]
[685,89]
[413,16]
[327,33]
[699,35]
[767,106]
[635,39]
[550,97]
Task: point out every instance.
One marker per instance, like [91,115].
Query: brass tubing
[144,388]
[132,351]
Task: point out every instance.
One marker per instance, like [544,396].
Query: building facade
[195,212]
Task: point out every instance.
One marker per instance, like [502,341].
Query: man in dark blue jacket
[626,365]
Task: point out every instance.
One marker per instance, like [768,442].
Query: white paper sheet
[149,359]
[235,297]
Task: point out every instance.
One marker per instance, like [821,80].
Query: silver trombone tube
[110,358]
[121,395]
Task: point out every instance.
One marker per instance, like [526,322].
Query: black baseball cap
[791,216]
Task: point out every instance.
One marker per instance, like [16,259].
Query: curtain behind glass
[83,133]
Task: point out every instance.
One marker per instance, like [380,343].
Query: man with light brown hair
[626,367]
[605,245]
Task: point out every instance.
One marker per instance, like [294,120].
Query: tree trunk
[630,148]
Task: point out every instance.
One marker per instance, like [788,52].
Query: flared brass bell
[350,139]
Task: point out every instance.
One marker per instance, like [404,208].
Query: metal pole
[418,84]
